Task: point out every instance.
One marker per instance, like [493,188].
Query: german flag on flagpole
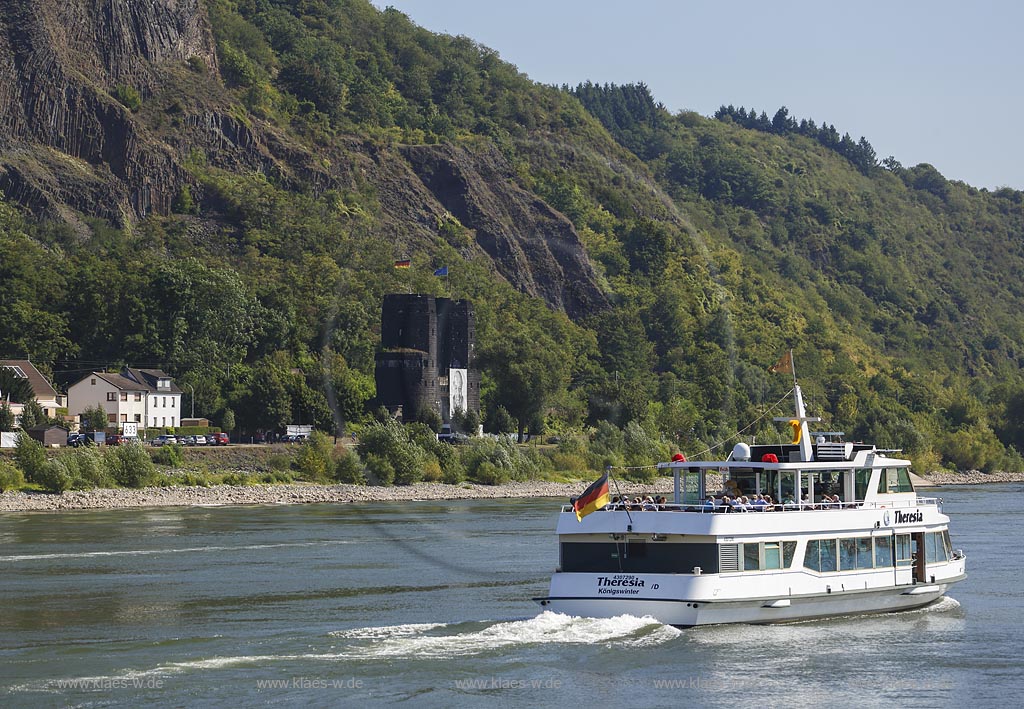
[593,498]
[403,263]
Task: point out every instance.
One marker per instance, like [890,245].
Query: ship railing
[785,507]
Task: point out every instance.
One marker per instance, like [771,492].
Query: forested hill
[222,188]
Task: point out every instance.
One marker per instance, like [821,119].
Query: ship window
[772,559]
[847,554]
[947,544]
[935,551]
[864,560]
[895,480]
[827,549]
[883,551]
[860,483]
[751,557]
[788,550]
[904,553]
[821,555]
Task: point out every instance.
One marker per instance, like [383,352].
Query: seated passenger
[725,504]
[709,504]
[649,505]
[788,501]
[759,503]
[769,503]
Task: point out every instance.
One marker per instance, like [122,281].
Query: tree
[33,415]
[94,418]
[6,417]
[529,368]
[15,388]
[227,421]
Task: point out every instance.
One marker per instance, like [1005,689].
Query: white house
[147,397]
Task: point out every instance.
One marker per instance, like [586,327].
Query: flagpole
[624,506]
[792,366]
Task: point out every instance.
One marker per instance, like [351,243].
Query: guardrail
[792,507]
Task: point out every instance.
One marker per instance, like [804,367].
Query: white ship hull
[683,613]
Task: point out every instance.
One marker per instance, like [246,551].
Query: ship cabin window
[935,548]
[861,478]
[883,551]
[760,556]
[854,553]
[895,480]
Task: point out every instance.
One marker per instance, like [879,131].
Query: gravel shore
[304,494]
[298,494]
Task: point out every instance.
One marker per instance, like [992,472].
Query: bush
[30,456]
[279,461]
[315,459]
[237,479]
[129,97]
[11,478]
[172,456]
[195,480]
[278,476]
[379,469]
[391,442]
[130,466]
[432,471]
[487,473]
[53,476]
[348,469]
[86,467]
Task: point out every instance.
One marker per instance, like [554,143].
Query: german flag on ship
[593,498]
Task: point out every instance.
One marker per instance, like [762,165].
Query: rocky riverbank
[971,477]
[291,494]
[296,493]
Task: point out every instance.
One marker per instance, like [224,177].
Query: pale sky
[935,82]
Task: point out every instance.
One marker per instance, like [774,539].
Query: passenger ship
[880,548]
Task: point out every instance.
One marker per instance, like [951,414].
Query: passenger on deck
[710,504]
[759,503]
[725,504]
[649,504]
[769,503]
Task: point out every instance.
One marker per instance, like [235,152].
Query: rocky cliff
[72,146]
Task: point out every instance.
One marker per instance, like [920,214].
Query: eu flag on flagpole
[443,271]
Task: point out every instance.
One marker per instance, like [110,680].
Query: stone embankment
[299,494]
[972,477]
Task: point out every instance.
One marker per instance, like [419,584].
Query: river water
[428,603]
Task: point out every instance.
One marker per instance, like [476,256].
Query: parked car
[115,439]
[200,440]
[164,440]
[77,439]
[217,439]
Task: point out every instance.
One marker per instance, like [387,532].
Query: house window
[165,402]
[154,422]
[111,418]
[138,418]
[111,396]
[164,420]
[172,402]
[138,396]
[92,382]
[124,418]
[124,396]
[172,422]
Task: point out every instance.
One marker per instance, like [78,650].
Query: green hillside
[716,244]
